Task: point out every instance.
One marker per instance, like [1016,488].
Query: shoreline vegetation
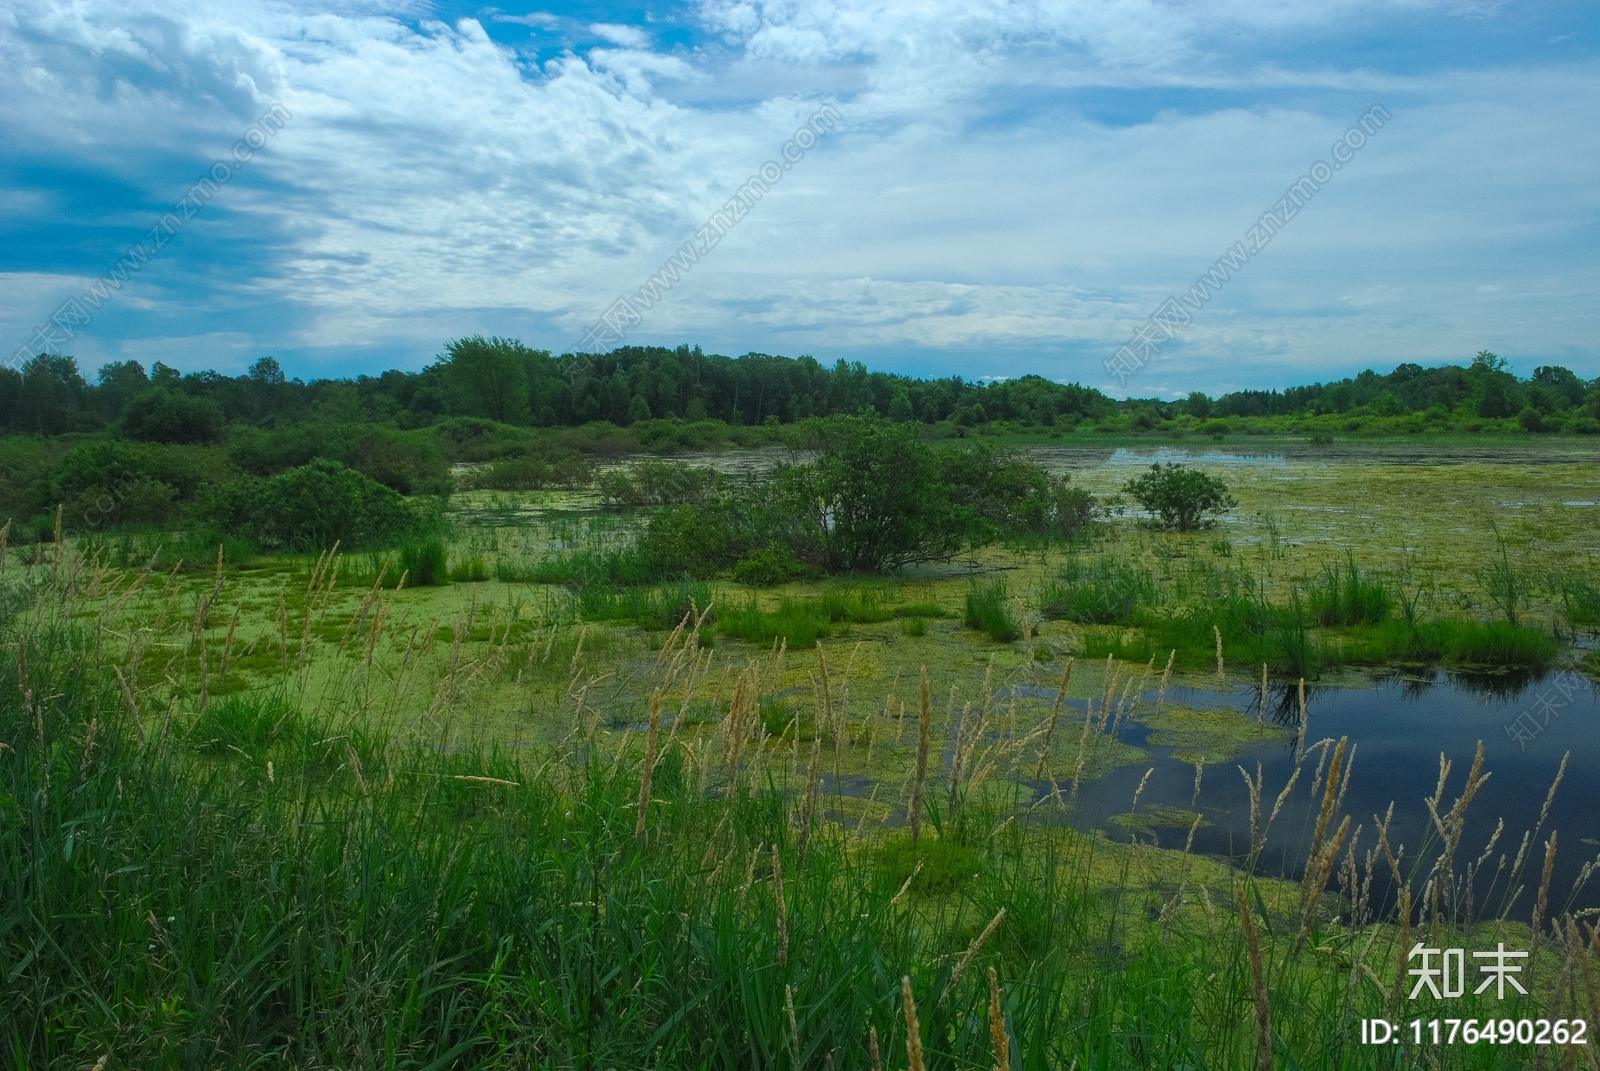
[356,733]
[202,872]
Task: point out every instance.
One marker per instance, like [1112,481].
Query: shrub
[683,541]
[1010,494]
[874,501]
[658,483]
[989,609]
[1181,498]
[309,508]
[164,415]
[422,561]
[771,565]
[532,473]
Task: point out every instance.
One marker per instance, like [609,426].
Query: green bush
[1179,497]
[989,610]
[309,508]
[771,565]
[410,462]
[165,415]
[532,473]
[658,483]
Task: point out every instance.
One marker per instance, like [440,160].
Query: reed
[1258,980]
[997,1025]
[913,1028]
[914,816]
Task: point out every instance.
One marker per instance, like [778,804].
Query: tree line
[507,382]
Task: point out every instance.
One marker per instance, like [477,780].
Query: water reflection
[1398,727]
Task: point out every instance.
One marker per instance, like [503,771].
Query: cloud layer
[1014,187]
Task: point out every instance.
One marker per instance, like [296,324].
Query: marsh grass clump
[651,608]
[801,622]
[1580,599]
[245,723]
[471,569]
[1347,595]
[1487,643]
[991,610]
[424,562]
[1102,590]
[1507,585]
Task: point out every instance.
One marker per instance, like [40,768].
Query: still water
[1398,728]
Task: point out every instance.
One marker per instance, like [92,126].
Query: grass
[424,564]
[1101,590]
[469,570]
[1346,595]
[1580,599]
[276,881]
[990,609]
[652,608]
[801,622]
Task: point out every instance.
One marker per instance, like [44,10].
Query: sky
[1000,189]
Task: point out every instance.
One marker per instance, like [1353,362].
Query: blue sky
[1013,187]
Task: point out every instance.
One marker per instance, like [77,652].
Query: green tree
[53,395]
[873,501]
[638,409]
[120,383]
[1181,498]
[487,377]
[165,415]
[900,410]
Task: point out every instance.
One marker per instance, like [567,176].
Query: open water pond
[1398,727]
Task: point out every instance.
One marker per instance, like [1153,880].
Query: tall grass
[1580,598]
[653,608]
[990,609]
[801,622]
[1348,596]
[1102,590]
[424,563]
[277,881]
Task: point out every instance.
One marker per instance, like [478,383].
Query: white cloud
[434,182]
